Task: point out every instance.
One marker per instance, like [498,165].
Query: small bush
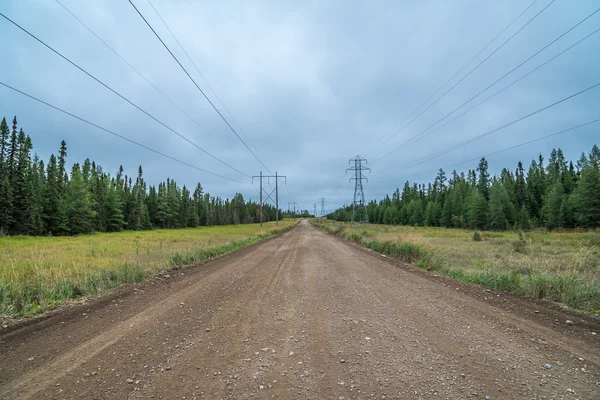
[520,244]
[338,229]
[477,236]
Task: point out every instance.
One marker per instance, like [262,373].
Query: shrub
[520,244]
[477,236]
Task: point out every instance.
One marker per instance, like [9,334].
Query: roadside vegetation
[563,267]
[38,273]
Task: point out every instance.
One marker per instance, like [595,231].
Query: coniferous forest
[49,199]
[558,194]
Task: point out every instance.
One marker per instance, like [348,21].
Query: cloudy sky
[311,84]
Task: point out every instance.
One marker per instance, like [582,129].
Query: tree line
[47,199]
[555,195]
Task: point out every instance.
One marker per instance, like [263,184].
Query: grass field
[559,266]
[37,273]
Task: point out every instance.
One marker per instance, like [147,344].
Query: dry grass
[544,252]
[40,272]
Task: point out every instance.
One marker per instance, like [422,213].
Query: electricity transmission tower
[322,202]
[294,203]
[276,190]
[359,209]
[315,213]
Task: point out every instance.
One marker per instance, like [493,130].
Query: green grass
[559,266]
[37,273]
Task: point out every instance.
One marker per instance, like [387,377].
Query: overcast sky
[311,83]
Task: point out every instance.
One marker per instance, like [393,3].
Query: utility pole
[315,214]
[322,202]
[276,190]
[359,210]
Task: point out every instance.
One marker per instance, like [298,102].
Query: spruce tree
[553,205]
[477,212]
[6,206]
[497,218]
[36,187]
[113,212]
[524,220]
[568,218]
[587,197]
[483,183]
[62,178]
[52,197]
[4,146]
[22,192]
[78,203]
[520,186]
[11,160]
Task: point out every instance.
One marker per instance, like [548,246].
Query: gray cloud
[311,83]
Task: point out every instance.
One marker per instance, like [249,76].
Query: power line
[120,95]
[469,73]
[517,145]
[427,158]
[455,74]
[138,72]
[509,85]
[198,87]
[114,133]
[200,73]
[415,138]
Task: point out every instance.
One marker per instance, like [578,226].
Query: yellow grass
[36,272]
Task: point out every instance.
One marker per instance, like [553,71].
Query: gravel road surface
[303,316]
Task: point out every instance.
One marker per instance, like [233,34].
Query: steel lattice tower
[359,208]
[322,202]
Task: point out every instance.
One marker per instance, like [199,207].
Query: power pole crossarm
[277,177]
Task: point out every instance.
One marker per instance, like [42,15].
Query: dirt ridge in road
[303,315]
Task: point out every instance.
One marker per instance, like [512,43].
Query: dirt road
[303,316]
